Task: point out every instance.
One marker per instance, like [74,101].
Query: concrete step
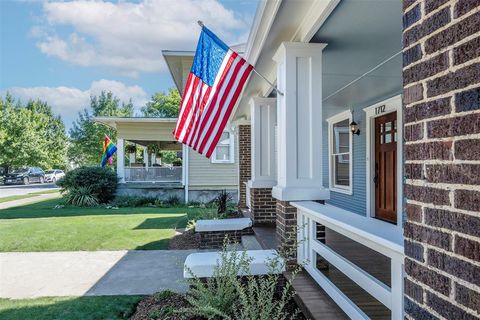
[250,243]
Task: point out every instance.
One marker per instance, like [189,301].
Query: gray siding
[357,201]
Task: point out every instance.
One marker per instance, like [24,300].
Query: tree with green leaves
[86,136]
[31,135]
[163,105]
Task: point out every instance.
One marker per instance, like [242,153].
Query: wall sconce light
[354,128]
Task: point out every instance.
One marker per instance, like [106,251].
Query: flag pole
[201,24]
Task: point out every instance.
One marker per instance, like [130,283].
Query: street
[13,190]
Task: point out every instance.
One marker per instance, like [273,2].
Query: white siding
[203,173]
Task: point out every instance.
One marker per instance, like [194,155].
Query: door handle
[375,178]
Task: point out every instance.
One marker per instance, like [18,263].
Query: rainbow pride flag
[108,150]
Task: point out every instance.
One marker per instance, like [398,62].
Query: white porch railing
[248,197]
[379,236]
[153,174]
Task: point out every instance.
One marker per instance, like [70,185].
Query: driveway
[14,190]
[42,274]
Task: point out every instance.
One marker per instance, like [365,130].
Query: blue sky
[63,52]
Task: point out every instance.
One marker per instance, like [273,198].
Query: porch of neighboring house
[149,160]
[152,162]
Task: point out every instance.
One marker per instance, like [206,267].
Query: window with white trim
[340,152]
[224,151]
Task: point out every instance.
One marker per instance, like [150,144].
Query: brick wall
[286,230]
[441,75]
[263,206]
[245,162]
[215,239]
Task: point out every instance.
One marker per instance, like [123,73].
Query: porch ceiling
[361,35]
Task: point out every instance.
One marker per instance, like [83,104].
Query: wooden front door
[386,167]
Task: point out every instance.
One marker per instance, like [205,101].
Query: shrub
[217,296]
[222,200]
[81,197]
[228,296]
[102,182]
[172,201]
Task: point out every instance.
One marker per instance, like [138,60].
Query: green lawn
[39,227]
[69,308]
[17,197]
[28,195]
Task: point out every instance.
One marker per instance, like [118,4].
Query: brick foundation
[263,206]
[245,162]
[441,77]
[287,230]
[215,239]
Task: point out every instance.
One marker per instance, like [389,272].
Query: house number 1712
[380,109]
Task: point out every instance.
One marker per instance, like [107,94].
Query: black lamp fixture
[354,127]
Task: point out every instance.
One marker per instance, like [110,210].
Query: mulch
[168,306]
[163,306]
[184,241]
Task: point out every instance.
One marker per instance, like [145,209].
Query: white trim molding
[345,115]
[393,104]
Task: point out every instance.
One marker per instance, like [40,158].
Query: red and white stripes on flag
[206,107]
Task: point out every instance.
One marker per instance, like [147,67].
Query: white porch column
[121,160]
[145,157]
[264,120]
[299,122]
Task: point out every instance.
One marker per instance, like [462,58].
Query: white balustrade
[153,174]
[379,236]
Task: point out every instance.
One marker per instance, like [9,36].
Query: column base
[263,207]
[300,193]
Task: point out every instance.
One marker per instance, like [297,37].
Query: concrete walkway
[41,274]
[22,202]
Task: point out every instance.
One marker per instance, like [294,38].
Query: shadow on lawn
[162,223]
[79,308]
[45,209]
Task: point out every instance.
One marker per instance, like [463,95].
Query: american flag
[214,84]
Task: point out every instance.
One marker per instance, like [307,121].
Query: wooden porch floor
[318,305]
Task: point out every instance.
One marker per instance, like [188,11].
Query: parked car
[54,175]
[2,174]
[25,176]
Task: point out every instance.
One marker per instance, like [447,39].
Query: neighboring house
[195,178]
[387,219]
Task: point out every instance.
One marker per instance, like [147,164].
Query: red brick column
[441,78]
[263,206]
[287,229]
[245,162]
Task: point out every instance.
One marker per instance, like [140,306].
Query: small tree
[163,105]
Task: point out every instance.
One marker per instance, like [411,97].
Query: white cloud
[129,37]
[68,101]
